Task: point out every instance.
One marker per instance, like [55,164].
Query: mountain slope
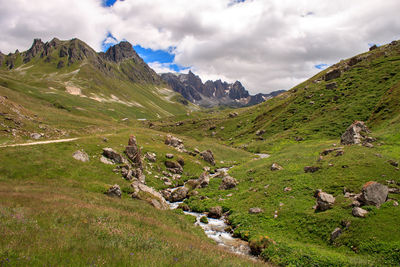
[213,93]
[69,79]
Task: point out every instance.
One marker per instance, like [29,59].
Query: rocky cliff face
[213,93]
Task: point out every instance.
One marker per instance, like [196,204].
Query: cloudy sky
[266,44]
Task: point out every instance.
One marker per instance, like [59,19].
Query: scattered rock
[36,136]
[395,203]
[298,138]
[196,150]
[276,167]
[174,141]
[204,180]
[106,160]
[359,212]
[81,155]
[325,201]
[336,233]
[233,114]
[228,182]
[333,74]
[208,157]
[311,169]
[330,86]
[179,194]
[212,128]
[339,153]
[169,156]
[260,132]
[373,47]
[374,193]
[287,189]
[255,210]
[369,145]
[355,133]
[150,156]
[114,191]
[181,161]
[393,163]
[113,155]
[394,190]
[148,194]
[215,212]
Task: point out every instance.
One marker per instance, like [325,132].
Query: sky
[268,45]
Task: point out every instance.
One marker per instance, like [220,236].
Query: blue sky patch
[109,2]
[321,66]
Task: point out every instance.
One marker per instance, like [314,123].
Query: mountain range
[213,93]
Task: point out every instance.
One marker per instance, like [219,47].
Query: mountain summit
[213,93]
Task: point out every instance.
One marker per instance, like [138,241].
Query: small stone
[393,163]
[336,233]
[325,201]
[359,212]
[276,167]
[255,210]
[36,136]
[228,182]
[311,169]
[169,156]
[114,191]
[287,189]
[150,156]
[106,160]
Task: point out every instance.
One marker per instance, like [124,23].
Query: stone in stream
[81,156]
[215,212]
[179,194]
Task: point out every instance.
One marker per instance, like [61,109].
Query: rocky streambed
[216,228]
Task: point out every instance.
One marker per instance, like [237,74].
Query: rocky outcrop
[228,182]
[114,191]
[36,48]
[374,193]
[81,156]
[119,52]
[325,201]
[356,133]
[208,156]
[174,167]
[150,156]
[132,151]
[148,194]
[174,142]
[215,212]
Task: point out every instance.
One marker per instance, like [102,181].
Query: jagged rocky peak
[36,48]
[238,91]
[119,52]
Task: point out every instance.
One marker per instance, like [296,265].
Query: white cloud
[268,45]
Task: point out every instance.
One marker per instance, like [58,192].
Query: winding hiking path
[42,142]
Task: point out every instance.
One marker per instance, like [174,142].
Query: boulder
[355,133]
[331,86]
[228,182]
[311,169]
[333,74]
[81,155]
[255,210]
[260,132]
[150,157]
[112,155]
[148,194]
[393,163]
[174,167]
[179,194]
[114,191]
[276,167]
[336,233]
[374,193]
[169,156]
[132,151]
[325,201]
[215,212]
[233,114]
[359,212]
[208,156]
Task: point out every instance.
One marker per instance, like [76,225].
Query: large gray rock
[114,191]
[148,194]
[179,194]
[228,182]
[325,201]
[374,193]
[36,136]
[208,156]
[215,212]
[204,180]
[359,212]
[355,133]
[112,155]
[81,155]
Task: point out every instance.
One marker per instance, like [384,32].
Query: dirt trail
[42,142]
